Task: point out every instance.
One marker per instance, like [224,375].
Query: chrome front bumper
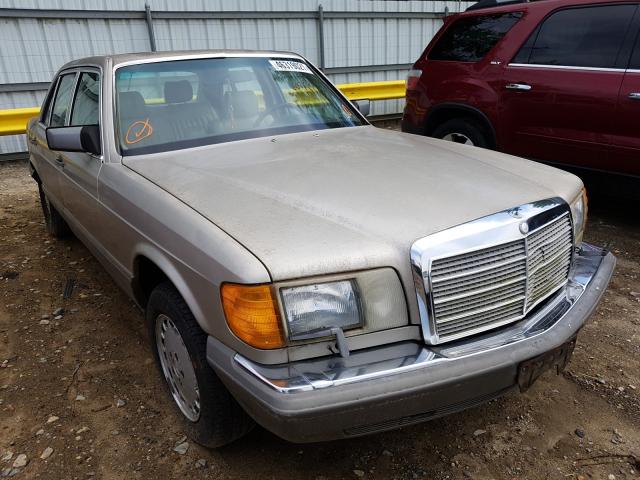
[386,387]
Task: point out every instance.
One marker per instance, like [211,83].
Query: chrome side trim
[567,67]
[379,362]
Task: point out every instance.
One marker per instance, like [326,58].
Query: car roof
[120,59]
[546,5]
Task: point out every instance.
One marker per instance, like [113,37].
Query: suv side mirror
[75,139]
[364,106]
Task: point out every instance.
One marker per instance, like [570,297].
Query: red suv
[551,80]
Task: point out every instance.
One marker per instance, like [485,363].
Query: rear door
[625,140]
[79,180]
[55,113]
[560,91]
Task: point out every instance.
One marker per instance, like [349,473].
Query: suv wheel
[462,130]
[211,416]
[54,223]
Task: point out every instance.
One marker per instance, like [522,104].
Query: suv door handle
[60,160]
[33,140]
[634,95]
[518,86]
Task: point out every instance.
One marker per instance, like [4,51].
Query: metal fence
[351,40]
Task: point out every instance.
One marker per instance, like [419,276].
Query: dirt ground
[83,384]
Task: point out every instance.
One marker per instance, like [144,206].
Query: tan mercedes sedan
[298,267]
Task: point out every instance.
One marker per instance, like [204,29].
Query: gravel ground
[80,397]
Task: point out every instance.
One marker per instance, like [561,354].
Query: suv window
[86,105]
[635,56]
[470,39]
[62,100]
[579,37]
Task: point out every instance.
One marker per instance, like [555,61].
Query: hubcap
[177,368]
[458,138]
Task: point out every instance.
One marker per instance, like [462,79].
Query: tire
[220,419]
[463,131]
[54,223]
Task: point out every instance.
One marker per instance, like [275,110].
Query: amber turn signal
[252,314]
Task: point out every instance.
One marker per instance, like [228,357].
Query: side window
[86,104]
[524,53]
[634,63]
[471,38]
[62,101]
[579,37]
[45,111]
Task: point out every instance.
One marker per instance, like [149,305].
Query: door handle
[33,141]
[634,95]
[59,160]
[523,87]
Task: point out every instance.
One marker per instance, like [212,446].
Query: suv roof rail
[493,3]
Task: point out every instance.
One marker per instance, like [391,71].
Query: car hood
[345,199]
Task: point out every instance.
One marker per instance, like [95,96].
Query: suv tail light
[413,77]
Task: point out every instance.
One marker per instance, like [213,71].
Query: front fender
[179,274]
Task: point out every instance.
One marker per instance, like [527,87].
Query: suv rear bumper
[388,387]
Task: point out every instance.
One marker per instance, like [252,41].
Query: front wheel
[462,130]
[211,416]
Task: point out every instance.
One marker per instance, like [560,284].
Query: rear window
[470,39]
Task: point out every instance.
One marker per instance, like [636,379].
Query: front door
[79,179]
[559,93]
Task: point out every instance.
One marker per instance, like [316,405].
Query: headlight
[266,316]
[579,214]
[313,309]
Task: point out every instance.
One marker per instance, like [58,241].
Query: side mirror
[75,139]
[364,106]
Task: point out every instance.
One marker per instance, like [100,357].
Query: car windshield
[179,104]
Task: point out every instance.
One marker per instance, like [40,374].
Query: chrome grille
[549,258]
[487,288]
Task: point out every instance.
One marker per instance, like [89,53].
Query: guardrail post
[152,33]
[321,36]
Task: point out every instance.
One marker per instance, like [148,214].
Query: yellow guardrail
[374,90]
[14,122]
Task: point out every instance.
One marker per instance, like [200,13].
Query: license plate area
[530,370]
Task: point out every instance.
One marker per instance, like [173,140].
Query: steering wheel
[271,110]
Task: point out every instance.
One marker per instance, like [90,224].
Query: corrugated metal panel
[247,5]
[32,50]
[286,34]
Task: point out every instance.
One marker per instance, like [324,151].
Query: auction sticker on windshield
[289,66]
